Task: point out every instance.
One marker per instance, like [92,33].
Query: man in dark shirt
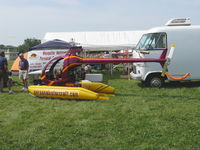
[23,71]
[3,68]
[4,73]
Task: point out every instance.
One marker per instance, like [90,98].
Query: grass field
[136,118]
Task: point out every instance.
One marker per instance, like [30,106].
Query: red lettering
[49,53]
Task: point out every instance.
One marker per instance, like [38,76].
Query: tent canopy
[53,44]
[100,40]
[40,54]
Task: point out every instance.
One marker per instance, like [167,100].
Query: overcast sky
[21,19]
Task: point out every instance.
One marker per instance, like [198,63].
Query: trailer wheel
[155,81]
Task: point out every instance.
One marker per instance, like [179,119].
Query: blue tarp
[54,44]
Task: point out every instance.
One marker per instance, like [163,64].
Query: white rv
[186,56]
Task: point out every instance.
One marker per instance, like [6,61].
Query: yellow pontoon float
[88,91]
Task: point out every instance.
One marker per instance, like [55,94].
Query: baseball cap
[21,54]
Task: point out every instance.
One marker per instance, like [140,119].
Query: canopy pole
[127,55]
[111,71]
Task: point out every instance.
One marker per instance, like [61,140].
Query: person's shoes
[24,89]
[10,92]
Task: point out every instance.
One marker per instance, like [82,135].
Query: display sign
[38,58]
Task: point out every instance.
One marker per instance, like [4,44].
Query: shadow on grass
[188,84]
[125,95]
[161,96]
[63,99]
[176,84]
[120,95]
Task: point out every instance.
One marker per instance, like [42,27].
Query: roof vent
[179,22]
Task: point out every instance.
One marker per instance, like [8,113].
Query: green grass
[136,118]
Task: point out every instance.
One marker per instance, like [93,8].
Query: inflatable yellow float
[87,91]
[65,93]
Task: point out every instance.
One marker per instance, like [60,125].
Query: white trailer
[186,57]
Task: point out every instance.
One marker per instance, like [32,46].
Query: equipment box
[94,77]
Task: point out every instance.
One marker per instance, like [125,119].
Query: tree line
[27,44]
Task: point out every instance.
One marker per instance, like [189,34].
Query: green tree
[28,43]
[5,47]
[2,46]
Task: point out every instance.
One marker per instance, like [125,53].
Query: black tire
[155,81]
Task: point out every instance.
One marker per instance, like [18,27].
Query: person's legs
[21,78]
[9,84]
[7,81]
[4,79]
[25,81]
[1,82]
